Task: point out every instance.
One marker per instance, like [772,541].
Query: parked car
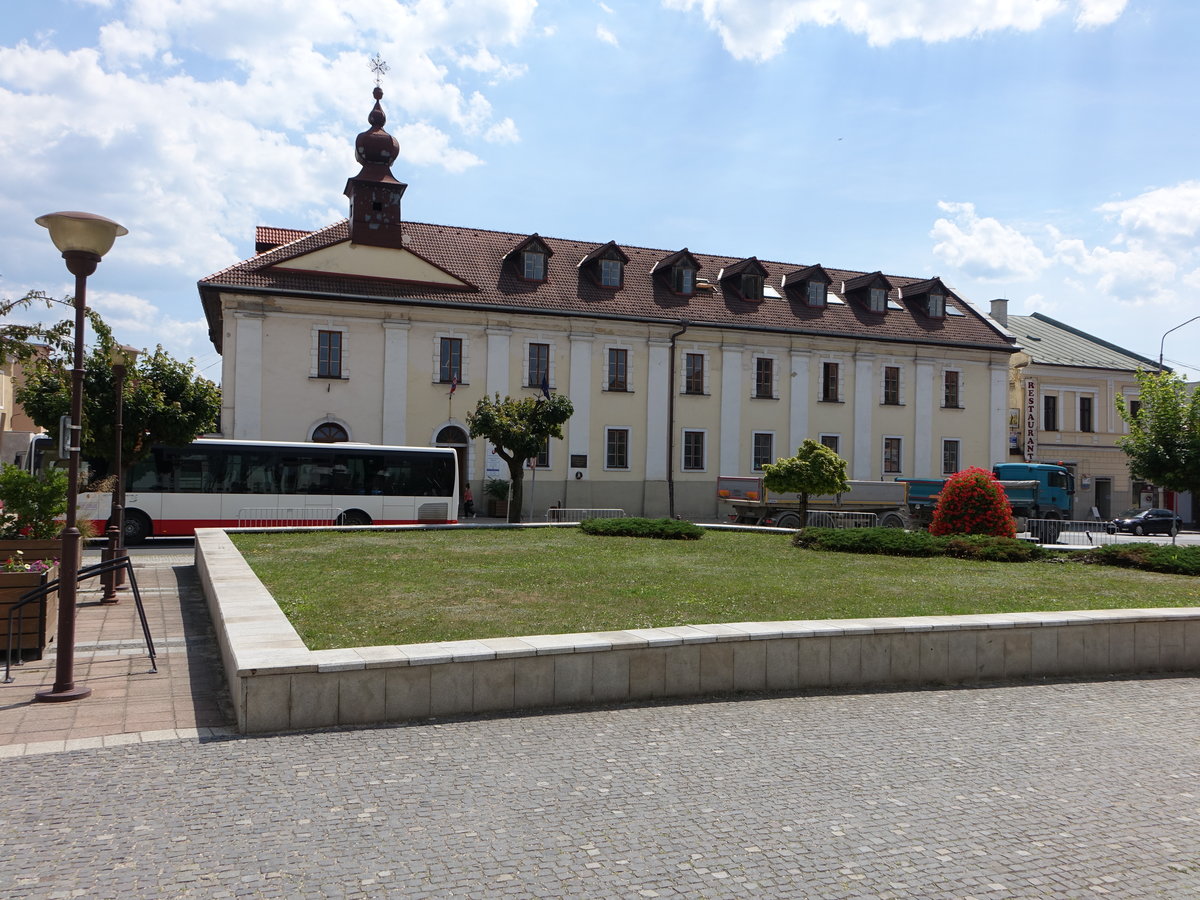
[1146,521]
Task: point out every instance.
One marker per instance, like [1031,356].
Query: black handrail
[41,592]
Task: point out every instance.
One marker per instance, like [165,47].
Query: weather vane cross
[379,67]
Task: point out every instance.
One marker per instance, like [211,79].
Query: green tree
[518,429]
[1163,444]
[973,502]
[164,401]
[20,342]
[815,469]
[31,503]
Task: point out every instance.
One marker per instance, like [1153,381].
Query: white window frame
[809,288]
[841,381]
[753,436]
[628,368]
[877,299]
[958,377]
[683,379]
[525,363]
[314,366]
[437,356]
[900,384]
[774,394]
[883,454]
[957,454]
[608,266]
[608,429]
[683,436]
[526,258]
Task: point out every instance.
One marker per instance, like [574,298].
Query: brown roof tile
[476,256]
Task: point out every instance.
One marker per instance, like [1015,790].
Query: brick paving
[129,703]
[1061,790]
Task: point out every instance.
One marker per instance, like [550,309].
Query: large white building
[681,366]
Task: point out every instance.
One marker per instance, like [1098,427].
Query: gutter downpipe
[671,424]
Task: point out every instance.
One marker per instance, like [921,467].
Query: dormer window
[744,280]
[871,291]
[610,273]
[752,287]
[814,294]
[605,266]
[677,272]
[683,280]
[927,296]
[533,265]
[530,259]
[810,286]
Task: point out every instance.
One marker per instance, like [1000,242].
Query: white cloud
[983,247]
[606,35]
[1172,212]
[758,29]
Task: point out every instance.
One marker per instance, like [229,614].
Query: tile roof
[476,256]
[1052,343]
[268,238]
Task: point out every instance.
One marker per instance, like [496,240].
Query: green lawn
[355,590]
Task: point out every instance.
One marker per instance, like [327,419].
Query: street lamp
[1168,331]
[121,357]
[83,238]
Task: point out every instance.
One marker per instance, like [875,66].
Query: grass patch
[354,590]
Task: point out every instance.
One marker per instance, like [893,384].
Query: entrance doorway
[1104,498]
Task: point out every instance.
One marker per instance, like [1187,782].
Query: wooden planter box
[49,550]
[497,509]
[38,620]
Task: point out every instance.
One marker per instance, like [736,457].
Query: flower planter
[49,550]
[38,620]
[498,509]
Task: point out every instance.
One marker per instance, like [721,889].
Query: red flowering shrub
[973,502]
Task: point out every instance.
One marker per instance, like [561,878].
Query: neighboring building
[1063,410]
[681,366]
[16,428]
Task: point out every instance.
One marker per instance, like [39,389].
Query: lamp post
[83,238]
[1168,331]
[121,357]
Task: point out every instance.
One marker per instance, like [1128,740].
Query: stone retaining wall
[277,684]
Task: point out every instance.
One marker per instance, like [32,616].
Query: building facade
[681,366]
[1063,409]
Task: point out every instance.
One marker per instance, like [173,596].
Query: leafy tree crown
[973,502]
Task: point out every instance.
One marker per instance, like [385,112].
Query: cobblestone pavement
[1071,790]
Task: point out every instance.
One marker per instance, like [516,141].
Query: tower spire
[374,192]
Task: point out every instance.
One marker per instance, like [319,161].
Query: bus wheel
[354,517]
[137,528]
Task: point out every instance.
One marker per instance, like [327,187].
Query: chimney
[1000,311]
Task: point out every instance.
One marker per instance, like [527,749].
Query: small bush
[1167,558]
[993,549]
[666,529]
[973,502]
[884,541]
[894,542]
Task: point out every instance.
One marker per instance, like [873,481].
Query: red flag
[453,384]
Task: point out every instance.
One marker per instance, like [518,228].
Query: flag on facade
[453,384]
[546,386]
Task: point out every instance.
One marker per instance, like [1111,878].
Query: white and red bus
[215,483]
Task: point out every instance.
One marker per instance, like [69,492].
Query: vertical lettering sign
[1031,420]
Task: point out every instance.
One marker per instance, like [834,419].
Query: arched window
[451,435]
[329,433]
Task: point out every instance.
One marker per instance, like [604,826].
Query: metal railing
[1082,533]
[287,516]
[41,593]
[557,514]
[822,518]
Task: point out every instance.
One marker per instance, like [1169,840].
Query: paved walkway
[1067,790]
[129,704]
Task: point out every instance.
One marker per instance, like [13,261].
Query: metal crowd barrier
[289,516]
[556,514]
[821,518]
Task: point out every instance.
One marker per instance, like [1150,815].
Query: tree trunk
[516,498]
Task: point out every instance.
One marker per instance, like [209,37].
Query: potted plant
[31,507]
[497,491]
[35,628]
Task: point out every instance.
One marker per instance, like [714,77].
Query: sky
[1042,151]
